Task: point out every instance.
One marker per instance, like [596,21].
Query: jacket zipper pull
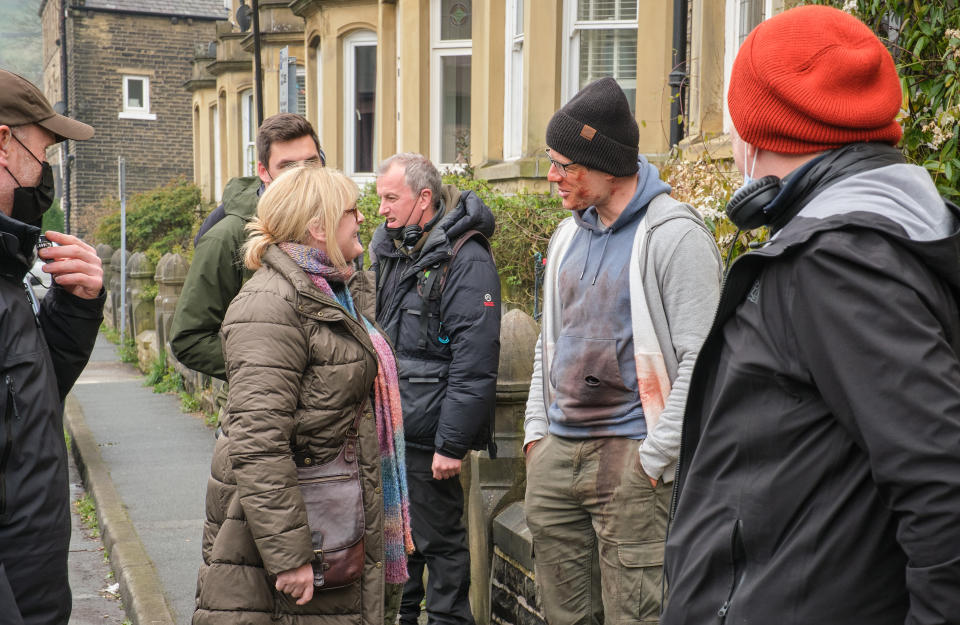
[722,612]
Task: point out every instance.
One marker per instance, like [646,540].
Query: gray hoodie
[680,268]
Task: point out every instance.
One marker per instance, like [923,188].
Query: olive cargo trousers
[598,528]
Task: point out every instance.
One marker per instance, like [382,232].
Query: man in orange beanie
[819,473]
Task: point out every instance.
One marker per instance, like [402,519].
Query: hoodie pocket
[586,374]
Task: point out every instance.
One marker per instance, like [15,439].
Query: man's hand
[528,448]
[298,583]
[444,467]
[73,264]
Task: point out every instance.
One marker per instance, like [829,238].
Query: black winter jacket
[448,386]
[40,358]
[819,476]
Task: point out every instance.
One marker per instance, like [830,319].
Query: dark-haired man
[43,349]
[217,272]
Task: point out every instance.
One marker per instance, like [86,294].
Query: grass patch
[189,402]
[88,514]
[128,351]
[164,378]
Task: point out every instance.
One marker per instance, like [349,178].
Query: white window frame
[513,83]
[318,54]
[217,163]
[732,45]
[570,53]
[248,134]
[136,112]
[351,42]
[438,49]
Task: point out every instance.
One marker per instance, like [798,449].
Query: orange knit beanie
[813,78]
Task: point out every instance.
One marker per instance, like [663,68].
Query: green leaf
[921,44]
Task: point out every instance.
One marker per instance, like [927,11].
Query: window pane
[607,10]
[134,93]
[454,108]
[751,14]
[518,19]
[365,62]
[610,53]
[301,91]
[456,19]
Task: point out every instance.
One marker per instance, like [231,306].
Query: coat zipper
[738,556]
[9,414]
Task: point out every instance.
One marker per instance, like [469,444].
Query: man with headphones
[438,299]
[819,477]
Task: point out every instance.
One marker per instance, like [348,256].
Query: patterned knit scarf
[398,541]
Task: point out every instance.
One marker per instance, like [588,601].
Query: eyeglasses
[353,211]
[561,167]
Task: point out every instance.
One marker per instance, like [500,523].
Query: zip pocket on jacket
[326,478]
[9,414]
[738,561]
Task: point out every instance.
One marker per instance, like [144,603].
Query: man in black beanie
[633,278]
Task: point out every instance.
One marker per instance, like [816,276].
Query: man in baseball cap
[819,478]
[632,281]
[43,348]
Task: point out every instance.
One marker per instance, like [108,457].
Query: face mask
[30,203]
[748,178]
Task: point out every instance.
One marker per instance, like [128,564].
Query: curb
[140,586]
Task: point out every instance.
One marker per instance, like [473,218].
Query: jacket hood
[898,200]
[649,185]
[17,243]
[240,196]
[468,213]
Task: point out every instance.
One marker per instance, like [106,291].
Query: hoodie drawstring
[603,250]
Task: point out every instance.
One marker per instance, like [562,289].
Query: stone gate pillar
[139,308]
[170,274]
[493,484]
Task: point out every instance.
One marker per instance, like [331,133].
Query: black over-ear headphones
[410,234]
[755,205]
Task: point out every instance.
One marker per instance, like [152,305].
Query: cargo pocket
[640,581]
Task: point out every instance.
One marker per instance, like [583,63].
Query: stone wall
[102,49]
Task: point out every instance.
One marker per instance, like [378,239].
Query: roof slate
[181,8]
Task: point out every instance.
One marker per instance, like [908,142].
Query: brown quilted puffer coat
[299,366]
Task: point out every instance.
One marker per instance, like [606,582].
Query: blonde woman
[302,358]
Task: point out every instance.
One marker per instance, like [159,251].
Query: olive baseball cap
[21,103]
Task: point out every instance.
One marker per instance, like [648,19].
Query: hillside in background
[20,38]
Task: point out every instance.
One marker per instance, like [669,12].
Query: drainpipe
[677,78]
[257,62]
[65,155]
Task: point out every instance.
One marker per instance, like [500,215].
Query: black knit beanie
[596,128]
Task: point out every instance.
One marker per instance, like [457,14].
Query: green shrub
[53,218]
[158,221]
[924,38]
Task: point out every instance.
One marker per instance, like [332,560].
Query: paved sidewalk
[90,574]
[146,465]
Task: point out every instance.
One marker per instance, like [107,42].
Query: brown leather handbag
[334,502]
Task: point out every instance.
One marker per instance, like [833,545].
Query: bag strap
[432,281]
